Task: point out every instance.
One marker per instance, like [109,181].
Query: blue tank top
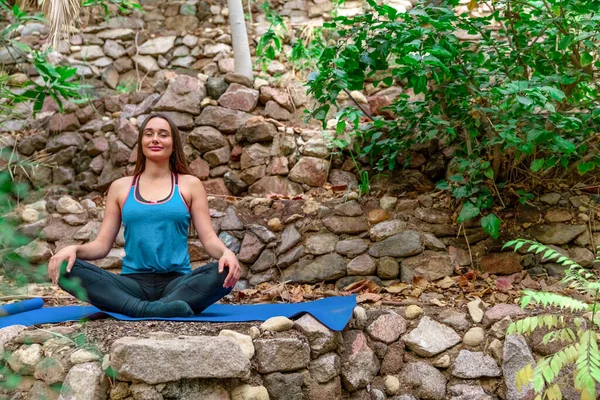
[156,233]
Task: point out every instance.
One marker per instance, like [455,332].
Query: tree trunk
[239,38]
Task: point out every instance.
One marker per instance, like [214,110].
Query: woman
[156,206]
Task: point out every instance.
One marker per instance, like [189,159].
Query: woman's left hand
[228,259]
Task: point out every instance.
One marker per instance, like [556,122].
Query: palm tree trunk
[239,38]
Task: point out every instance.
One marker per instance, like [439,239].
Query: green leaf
[565,42]
[586,59]
[491,224]
[468,212]
[537,165]
[524,100]
[585,167]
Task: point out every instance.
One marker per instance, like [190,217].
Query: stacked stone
[399,354]
[305,241]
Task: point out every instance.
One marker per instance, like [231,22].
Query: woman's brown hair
[177,161]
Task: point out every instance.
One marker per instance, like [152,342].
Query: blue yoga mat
[21,306]
[333,312]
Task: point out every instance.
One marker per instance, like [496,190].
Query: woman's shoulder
[191,180]
[121,184]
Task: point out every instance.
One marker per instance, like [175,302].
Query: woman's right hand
[68,254]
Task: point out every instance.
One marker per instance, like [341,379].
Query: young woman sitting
[155,206]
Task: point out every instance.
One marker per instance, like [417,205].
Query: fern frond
[557,300]
[565,335]
[524,377]
[587,369]
[548,368]
[553,392]
[527,325]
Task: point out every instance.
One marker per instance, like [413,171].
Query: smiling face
[157,140]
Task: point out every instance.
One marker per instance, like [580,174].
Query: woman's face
[157,140]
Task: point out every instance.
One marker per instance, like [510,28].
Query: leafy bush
[520,100]
[54,81]
[566,325]
[305,50]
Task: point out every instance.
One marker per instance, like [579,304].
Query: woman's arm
[210,241]
[111,223]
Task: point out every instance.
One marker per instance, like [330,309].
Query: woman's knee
[210,272]
[82,275]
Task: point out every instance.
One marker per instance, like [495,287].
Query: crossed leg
[199,288]
[117,293]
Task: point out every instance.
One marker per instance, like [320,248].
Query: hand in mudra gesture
[229,260]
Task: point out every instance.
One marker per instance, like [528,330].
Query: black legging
[139,295]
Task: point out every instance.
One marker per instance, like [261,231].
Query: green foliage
[565,324]
[126,86]
[522,98]
[270,44]
[54,81]
[125,6]
[305,51]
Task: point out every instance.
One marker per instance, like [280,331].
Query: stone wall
[339,240]
[400,353]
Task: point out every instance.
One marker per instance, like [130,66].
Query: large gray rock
[25,358]
[231,222]
[325,367]
[385,229]
[239,97]
[51,370]
[430,265]
[113,49]
[289,238]
[284,386]
[8,333]
[146,63]
[471,365]
[194,389]
[430,338]
[251,248]
[216,87]
[321,338]
[266,260]
[275,184]
[36,251]
[256,130]
[64,140]
[362,265]
[207,138]
[192,357]
[349,225]
[321,243]
[160,45]
[224,119]
[323,268]
[499,312]
[463,391]
[556,233]
[183,94]
[352,247]
[427,382]
[311,171]
[359,363]
[85,382]
[263,233]
[387,328]
[516,355]
[255,155]
[281,354]
[407,243]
